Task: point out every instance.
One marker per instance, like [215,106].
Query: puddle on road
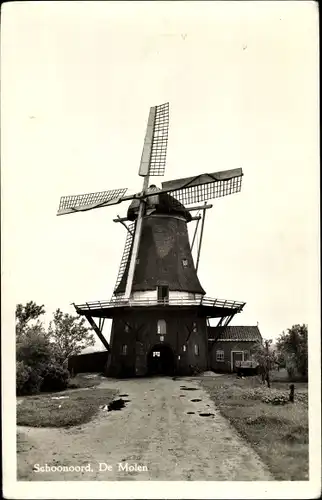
[123,395]
[117,404]
[184,388]
[206,414]
[190,412]
[196,400]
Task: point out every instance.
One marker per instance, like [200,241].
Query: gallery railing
[121,302]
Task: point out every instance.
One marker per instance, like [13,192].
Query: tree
[266,358]
[37,368]
[68,335]
[33,348]
[33,355]
[292,347]
[24,314]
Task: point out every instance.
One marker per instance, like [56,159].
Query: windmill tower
[159,309]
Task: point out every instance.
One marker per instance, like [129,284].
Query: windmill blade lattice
[206,192]
[82,202]
[160,141]
[205,187]
[126,253]
[154,153]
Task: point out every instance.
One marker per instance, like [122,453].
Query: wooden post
[97,331]
[194,235]
[292,387]
[201,235]
[136,242]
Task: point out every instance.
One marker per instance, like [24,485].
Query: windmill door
[236,356]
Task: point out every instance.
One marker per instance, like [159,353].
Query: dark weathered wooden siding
[87,363]
[163,246]
[143,336]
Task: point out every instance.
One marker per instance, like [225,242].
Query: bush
[276,399]
[55,378]
[34,348]
[28,380]
[22,375]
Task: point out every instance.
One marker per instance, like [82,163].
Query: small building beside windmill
[230,344]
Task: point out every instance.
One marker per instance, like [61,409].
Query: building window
[163,293]
[194,327]
[246,355]
[196,350]
[161,338]
[161,327]
[185,262]
[184,348]
[220,356]
[124,349]
[156,354]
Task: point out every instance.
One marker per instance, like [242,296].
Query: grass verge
[278,433]
[82,381]
[76,408]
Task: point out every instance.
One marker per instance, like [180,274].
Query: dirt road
[153,438]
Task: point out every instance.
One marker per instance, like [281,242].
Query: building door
[163,293]
[161,360]
[236,356]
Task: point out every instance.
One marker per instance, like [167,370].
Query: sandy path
[153,430]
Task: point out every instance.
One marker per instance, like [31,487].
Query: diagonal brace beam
[98,331]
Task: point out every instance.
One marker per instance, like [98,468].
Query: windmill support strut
[98,331]
[201,235]
[136,241]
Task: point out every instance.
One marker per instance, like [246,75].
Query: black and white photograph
[160,249]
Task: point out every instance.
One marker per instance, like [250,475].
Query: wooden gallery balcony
[208,307]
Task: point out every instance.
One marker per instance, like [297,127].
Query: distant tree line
[42,354]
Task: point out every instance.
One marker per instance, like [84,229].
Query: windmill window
[196,350]
[126,328]
[156,354]
[194,327]
[220,355]
[137,261]
[124,349]
[161,327]
[185,262]
[184,348]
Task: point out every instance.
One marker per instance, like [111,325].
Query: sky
[78,80]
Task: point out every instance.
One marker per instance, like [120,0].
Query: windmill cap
[162,203]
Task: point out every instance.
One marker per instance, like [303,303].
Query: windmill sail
[156,141]
[83,202]
[204,187]
[126,254]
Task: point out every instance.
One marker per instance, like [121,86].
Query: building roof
[234,333]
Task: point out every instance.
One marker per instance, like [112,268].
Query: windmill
[159,309]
